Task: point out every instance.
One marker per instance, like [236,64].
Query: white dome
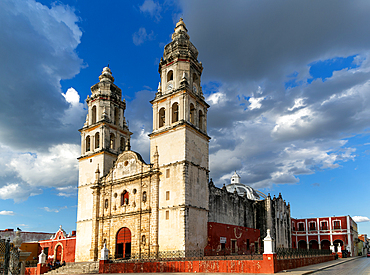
[242,189]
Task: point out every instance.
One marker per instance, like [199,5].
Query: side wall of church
[282,222]
[273,214]
[230,208]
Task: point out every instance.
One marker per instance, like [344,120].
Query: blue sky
[287,81]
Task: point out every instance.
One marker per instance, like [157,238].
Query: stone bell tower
[180,136]
[103,137]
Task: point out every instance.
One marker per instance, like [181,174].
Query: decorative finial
[159,90]
[97,174]
[106,75]
[181,30]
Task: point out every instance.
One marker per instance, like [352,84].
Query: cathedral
[169,204]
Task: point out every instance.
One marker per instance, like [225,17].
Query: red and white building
[61,247]
[335,233]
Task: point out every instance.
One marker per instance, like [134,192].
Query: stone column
[186,107]
[181,108]
[168,113]
[154,215]
[155,116]
[95,223]
[205,120]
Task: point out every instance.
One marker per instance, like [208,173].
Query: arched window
[144,196]
[200,119]
[124,198]
[122,144]
[116,116]
[192,113]
[93,114]
[169,76]
[162,117]
[97,140]
[175,112]
[112,142]
[195,78]
[87,143]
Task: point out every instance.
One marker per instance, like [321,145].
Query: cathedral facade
[137,208]
[131,206]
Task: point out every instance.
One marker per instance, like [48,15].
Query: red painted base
[269,264]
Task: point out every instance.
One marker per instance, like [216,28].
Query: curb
[329,266]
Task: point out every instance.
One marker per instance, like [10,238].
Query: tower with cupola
[104,136]
[180,137]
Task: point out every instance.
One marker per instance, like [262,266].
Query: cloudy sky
[288,83]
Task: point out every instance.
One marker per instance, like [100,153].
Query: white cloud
[298,103]
[255,102]
[151,7]
[47,209]
[67,191]
[7,213]
[72,96]
[360,219]
[141,36]
[17,191]
[55,168]
[74,115]
[216,98]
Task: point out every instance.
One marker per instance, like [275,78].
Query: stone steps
[77,268]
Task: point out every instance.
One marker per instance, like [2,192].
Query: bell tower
[104,136]
[180,136]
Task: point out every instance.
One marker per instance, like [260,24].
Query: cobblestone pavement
[358,267]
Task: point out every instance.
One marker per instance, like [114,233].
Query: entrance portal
[123,243]
[58,254]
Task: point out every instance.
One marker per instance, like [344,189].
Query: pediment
[128,164]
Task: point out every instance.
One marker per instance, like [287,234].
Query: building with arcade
[335,233]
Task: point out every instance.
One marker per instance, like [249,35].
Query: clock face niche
[195,88]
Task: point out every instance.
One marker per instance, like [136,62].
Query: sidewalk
[317,267]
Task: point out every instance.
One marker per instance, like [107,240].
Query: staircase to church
[77,268]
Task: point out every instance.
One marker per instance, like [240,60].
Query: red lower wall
[229,266]
[295,263]
[40,269]
[30,271]
[269,264]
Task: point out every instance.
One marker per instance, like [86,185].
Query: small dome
[106,75]
[180,30]
[242,189]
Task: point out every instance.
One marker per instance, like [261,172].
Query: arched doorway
[58,253]
[302,245]
[123,243]
[314,244]
[338,243]
[325,244]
